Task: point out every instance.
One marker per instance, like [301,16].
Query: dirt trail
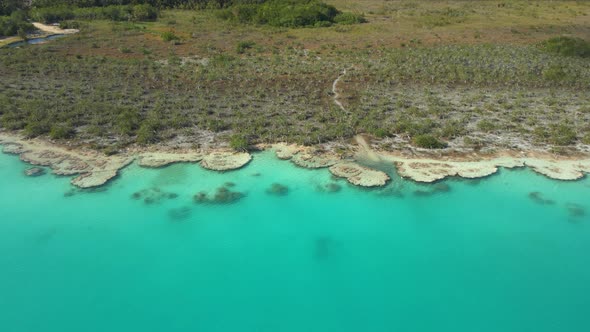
[335,93]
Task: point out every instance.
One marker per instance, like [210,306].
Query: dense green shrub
[349,18]
[168,36]
[567,46]
[61,131]
[562,134]
[15,24]
[7,7]
[147,132]
[288,13]
[239,142]
[70,25]
[115,13]
[427,141]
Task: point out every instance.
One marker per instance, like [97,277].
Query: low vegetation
[430,76]
[567,46]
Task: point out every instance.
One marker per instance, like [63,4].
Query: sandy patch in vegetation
[52,29]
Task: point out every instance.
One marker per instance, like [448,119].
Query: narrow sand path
[335,93]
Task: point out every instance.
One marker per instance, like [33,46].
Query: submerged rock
[333,187]
[179,214]
[70,193]
[222,196]
[34,171]
[442,187]
[433,189]
[537,197]
[153,195]
[575,210]
[423,193]
[391,191]
[201,197]
[277,189]
[329,187]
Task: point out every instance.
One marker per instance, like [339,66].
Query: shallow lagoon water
[34,41]
[460,255]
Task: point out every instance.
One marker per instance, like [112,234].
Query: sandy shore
[93,168]
[473,166]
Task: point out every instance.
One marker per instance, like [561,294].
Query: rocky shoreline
[94,169]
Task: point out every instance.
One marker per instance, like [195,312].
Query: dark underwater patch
[153,195]
[222,196]
[277,189]
[575,211]
[180,214]
[538,198]
[323,247]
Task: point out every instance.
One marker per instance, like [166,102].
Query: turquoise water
[457,256]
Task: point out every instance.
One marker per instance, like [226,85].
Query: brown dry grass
[390,24]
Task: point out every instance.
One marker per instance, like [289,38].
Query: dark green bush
[143,12]
[70,25]
[15,24]
[427,141]
[567,46]
[349,18]
[168,36]
[147,132]
[562,134]
[36,128]
[61,131]
[239,142]
[288,13]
